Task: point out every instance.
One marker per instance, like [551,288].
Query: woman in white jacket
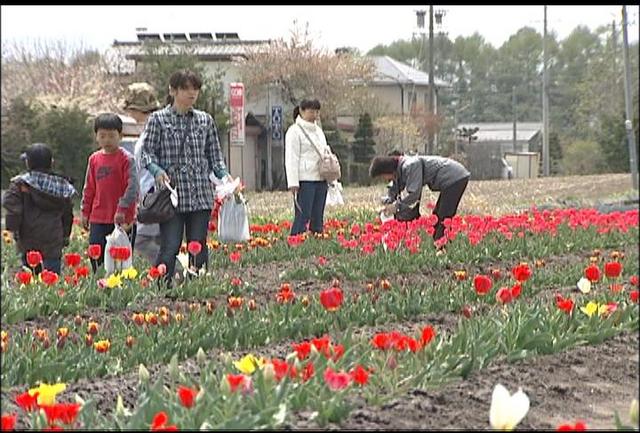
[304,142]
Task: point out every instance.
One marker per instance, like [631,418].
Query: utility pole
[628,124]
[269,141]
[545,100]
[515,115]
[429,147]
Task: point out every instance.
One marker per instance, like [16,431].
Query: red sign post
[236,104]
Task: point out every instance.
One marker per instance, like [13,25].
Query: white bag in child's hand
[117,238]
[233,220]
[334,194]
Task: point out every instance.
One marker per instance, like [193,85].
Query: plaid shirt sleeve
[213,151]
[151,137]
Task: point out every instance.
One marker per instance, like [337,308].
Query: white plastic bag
[334,194]
[233,220]
[224,188]
[117,238]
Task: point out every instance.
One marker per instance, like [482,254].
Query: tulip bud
[225,358]
[174,371]
[129,341]
[143,374]
[305,301]
[225,388]
[269,373]
[391,363]
[121,410]
[201,357]
[633,412]
[78,320]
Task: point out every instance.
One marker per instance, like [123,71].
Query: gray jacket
[414,172]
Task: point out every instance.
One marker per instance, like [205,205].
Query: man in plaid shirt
[181,146]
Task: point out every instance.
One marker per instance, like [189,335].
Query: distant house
[495,140]
[216,51]
[398,87]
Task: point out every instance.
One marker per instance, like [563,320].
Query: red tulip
[482,284]
[516,290]
[9,422]
[27,402]
[633,279]
[65,412]
[359,375]
[633,295]
[94,251]
[24,277]
[162,269]
[592,273]
[72,259]
[612,269]
[154,272]
[331,298]
[428,333]
[336,380]
[565,305]
[34,258]
[503,295]
[82,271]
[578,426]
[187,396]
[522,272]
[159,423]
[235,256]
[467,311]
[194,247]
[49,278]
[302,349]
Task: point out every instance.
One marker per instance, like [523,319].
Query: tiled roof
[121,56]
[503,131]
[391,71]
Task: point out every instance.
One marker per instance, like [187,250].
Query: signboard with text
[236,105]
[276,122]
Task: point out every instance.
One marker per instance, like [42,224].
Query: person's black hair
[383,165]
[179,80]
[38,157]
[305,104]
[396,153]
[109,121]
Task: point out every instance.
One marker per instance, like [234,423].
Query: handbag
[328,166]
[158,205]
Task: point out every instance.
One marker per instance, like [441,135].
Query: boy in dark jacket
[410,174]
[40,209]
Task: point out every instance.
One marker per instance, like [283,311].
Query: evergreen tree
[364,145]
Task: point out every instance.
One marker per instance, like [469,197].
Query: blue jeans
[312,196]
[195,224]
[98,235]
[53,265]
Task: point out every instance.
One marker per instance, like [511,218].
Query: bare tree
[56,73]
[303,70]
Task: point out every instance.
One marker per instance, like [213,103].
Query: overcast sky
[332,26]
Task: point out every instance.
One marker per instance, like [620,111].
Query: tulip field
[529,320]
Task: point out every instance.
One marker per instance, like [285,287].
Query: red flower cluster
[64,412]
[401,342]
[578,426]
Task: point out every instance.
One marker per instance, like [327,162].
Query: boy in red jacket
[110,187]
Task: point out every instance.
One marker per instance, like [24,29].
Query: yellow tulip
[590,308]
[113,281]
[248,363]
[47,393]
[129,273]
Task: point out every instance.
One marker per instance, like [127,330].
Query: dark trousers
[50,264]
[447,205]
[311,199]
[195,224]
[98,235]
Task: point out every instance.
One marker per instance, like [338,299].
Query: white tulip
[507,410]
[584,285]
